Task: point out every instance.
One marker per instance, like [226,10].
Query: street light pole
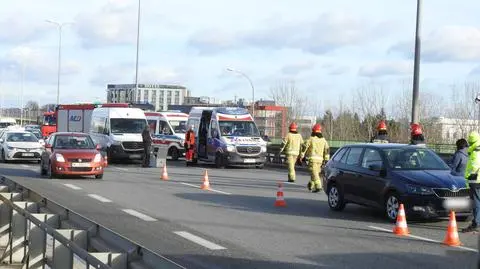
[21,91]
[59,64]
[251,85]
[416,66]
[138,47]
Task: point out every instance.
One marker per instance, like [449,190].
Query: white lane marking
[71,186]
[120,168]
[138,215]
[199,240]
[191,185]
[25,165]
[290,183]
[100,198]
[422,238]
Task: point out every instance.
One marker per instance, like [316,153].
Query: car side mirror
[375,167]
[1,140]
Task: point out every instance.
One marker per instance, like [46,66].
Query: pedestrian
[291,146]
[458,163]
[317,152]
[189,144]
[147,144]
[416,135]
[382,134]
[473,182]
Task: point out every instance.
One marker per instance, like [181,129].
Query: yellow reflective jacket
[292,144]
[473,163]
[316,149]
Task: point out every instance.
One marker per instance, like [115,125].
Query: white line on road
[191,185]
[422,238]
[120,168]
[71,186]
[25,165]
[100,198]
[290,183]
[199,240]
[138,215]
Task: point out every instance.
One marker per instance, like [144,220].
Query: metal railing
[38,233]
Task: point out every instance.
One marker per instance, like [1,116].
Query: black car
[385,175]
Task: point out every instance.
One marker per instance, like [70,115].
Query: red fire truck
[68,118]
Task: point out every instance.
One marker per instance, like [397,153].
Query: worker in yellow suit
[317,152]
[291,146]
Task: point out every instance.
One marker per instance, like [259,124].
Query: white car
[20,145]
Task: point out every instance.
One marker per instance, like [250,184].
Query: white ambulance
[168,128]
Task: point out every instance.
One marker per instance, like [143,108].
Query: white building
[453,129]
[158,95]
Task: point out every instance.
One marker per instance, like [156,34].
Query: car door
[371,183]
[351,173]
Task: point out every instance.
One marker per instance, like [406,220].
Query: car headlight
[230,148]
[59,158]
[10,148]
[98,158]
[419,190]
[264,148]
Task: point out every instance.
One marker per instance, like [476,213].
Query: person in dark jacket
[147,144]
[458,163]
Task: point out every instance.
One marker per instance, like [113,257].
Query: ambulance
[227,136]
[168,128]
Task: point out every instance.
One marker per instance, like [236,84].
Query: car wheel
[175,154]
[4,159]
[260,166]
[392,203]
[43,172]
[50,173]
[219,161]
[335,198]
[99,176]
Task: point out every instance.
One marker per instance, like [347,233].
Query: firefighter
[317,152]
[416,135]
[147,145]
[189,144]
[291,145]
[382,134]
[473,180]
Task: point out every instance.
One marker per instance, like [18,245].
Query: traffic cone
[280,202]
[206,183]
[451,238]
[401,227]
[164,172]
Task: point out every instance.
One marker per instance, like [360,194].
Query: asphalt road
[236,225]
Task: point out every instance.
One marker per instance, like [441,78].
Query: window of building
[154,97]
[145,95]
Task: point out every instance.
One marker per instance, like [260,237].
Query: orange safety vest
[190,138]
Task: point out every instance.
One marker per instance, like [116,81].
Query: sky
[328,48]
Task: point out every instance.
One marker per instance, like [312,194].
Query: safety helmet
[382,126]
[317,128]
[416,129]
[293,127]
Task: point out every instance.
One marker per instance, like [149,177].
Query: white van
[118,129]
[5,122]
[169,128]
[227,136]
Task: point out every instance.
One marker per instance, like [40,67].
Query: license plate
[457,203]
[135,156]
[28,154]
[249,160]
[80,164]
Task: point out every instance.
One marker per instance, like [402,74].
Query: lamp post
[477,101]
[251,85]
[22,79]
[60,27]
[416,65]
[138,48]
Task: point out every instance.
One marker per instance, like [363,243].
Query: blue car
[386,175]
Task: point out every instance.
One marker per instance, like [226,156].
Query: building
[452,129]
[159,95]
[271,119]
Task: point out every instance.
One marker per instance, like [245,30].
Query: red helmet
[382,126]
[317,128]
[293,126]
[416,129]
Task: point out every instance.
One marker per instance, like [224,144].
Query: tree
[32,105]
[370,100]
[285,93]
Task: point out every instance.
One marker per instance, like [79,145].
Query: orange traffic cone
[164,172]
[401,225]
[451,238]
[280,202]
[206,183]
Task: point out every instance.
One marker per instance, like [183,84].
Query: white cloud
[298,67]
[380,69]
[19,28]
[39,67]
[446,44]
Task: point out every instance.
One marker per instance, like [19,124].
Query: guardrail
[38,233]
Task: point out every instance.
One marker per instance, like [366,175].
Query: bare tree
[370,100]
[286,93]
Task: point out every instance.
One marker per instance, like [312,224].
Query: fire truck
[68,118]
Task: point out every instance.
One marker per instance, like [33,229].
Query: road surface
[235,225]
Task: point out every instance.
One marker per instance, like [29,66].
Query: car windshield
[73,142]
[38,134]
[21,137]
[238,128]
[50,120]
[127,126]
[179,126]
[414,159]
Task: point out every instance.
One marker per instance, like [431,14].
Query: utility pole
[138,48]
[416,66]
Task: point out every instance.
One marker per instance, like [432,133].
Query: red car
[71,154]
